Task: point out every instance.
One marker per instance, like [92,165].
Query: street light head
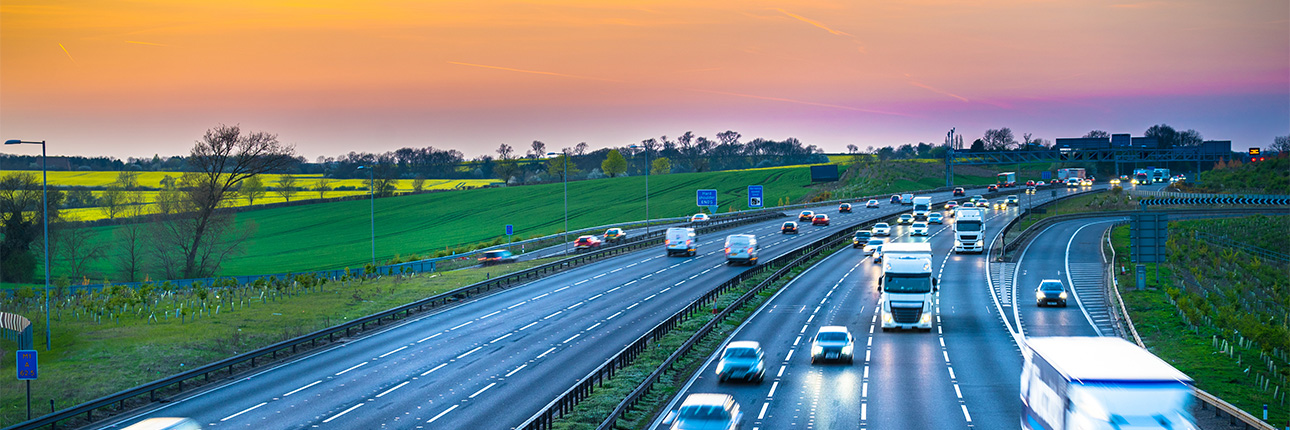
[12,142]
[361,167]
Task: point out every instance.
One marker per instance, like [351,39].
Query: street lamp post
[647,169]
[565,175]
[371,192]
[44,198]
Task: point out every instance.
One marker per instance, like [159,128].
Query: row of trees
[186,236]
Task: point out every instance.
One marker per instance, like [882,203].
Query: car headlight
[1063,295]
[926,319]
[846,350]
[980,243]
[886,316]
[1039,295]
[816,349]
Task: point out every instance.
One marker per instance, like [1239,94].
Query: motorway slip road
[962,374]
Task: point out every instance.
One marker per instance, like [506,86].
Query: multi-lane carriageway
[963,374]
[493,362]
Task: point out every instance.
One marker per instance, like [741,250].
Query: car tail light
[727,249]
[667,241]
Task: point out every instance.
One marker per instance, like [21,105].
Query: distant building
[1121,140]
[1073,143]
[1216,147]
[1145,143]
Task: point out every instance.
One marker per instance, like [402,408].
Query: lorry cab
[907,286]
[682,241]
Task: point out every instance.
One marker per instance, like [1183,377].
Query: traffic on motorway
[494,361]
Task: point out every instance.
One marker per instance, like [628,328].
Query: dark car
[820,219]
[497,256]
[1050,291]
[895,198]
[861,238]
[1030,183]
[959,192]
[789,228]
[805,216]
[845,207]
[992,188]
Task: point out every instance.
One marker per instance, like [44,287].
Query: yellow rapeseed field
[306,183]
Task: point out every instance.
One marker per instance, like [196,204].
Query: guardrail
[1207,400]
[231,366]
[564,403]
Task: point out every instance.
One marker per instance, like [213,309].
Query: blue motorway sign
[27,364]
[754,196]
[1047,175]
[510,229]
[706,197]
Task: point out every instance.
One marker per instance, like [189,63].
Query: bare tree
[852,148]
[1190,138]
[194,241]
[130,240]
[251,188]
[112,202]
[505,151]
[76,249]
[418,182]
[1097,133]
[1280,144]
[580,149]
[538,151]
[286,187]
[322,185]
[999,140]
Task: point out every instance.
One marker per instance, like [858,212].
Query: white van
[742,248]
[681,240]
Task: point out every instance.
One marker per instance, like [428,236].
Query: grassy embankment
[1268,177]
[1217,313]
[107,342]
[336,234]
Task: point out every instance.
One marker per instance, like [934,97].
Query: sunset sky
[134,78]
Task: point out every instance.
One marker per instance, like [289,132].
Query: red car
[820,219]
[1055,181]
[586,242]
[1030,183]
[992,187]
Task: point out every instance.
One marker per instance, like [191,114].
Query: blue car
[895,198]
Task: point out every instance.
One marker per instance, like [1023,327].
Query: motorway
[964,374]
[491,362]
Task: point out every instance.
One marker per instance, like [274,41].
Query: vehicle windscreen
[831,336]
[875,242]
[881,225]
[907,283]
[704,413]
[741,353]
[737,241]
[494,254]
[967,226]
[1051,286]
[920,207]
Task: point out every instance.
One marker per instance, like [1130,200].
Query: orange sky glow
[150,76]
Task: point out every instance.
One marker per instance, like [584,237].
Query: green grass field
[335,235]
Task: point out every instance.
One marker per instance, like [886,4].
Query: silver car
[832,343]
[882,229]
[742,360]
[919,229]
[935,218]
[703,411]
[742,249]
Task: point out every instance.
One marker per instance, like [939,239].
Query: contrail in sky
[145,43]
[69,54]
[938,91]
[536,72]
[815,23]
[803,102]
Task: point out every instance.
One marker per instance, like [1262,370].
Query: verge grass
[1189,346]
[93,357]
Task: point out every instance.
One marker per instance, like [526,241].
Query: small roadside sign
[754,196]
[1047,175]
[27,369]
[706,197]
[510,229]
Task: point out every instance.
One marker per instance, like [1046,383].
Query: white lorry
[1101,383]
[922,206]
[907,286]
[1160,175]
[969,231]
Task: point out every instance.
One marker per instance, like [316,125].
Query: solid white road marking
[352,368]
[545,353]
[434,369]
[489,315]
[517,369]
[477,348]
[461,325]
[441,414]
[481,390]
[429,337]
[343,413]
[244,411]
[500,338]
[394,351]
[392,389]
[302,388]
